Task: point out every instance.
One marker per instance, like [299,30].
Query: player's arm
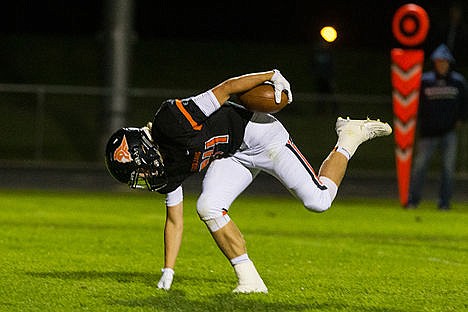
[173,230]
[243,83]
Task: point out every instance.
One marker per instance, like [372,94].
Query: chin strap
[147,130]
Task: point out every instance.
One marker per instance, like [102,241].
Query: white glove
[281,84]
[165,281]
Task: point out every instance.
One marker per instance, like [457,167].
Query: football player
[207,131]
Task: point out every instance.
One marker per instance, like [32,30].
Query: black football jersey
[188,140]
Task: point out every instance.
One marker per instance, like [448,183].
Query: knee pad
[323,199]
[319,203]
[217,223]
[316,206]
[215,218]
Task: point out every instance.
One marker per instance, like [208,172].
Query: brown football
[262,99]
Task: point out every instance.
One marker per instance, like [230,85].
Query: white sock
[239,259]
[343,151]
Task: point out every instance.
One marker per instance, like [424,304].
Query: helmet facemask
[149,171]
[133,158]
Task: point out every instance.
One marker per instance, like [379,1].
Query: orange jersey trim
[187,115]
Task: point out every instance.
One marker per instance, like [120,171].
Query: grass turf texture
[103,252]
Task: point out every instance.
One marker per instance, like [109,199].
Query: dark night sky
[359,23]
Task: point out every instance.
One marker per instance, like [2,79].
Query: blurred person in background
[443,106]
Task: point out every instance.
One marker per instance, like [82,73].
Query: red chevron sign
[406,72]
[406,80]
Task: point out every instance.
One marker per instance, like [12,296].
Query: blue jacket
[443,102]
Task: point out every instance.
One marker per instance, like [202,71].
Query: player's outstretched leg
[351,132]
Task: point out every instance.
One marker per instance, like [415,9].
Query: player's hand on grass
[281,84]
[165,281]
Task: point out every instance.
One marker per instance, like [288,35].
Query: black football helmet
[132,158]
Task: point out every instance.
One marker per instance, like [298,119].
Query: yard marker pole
[410,26]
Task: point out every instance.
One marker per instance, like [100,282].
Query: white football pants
[266,147]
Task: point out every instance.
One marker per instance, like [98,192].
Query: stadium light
[328,33]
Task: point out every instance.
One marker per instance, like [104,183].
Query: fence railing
[41,94]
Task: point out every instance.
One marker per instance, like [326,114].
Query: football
[262,99]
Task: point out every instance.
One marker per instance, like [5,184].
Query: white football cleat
[351,133]
[249,289]
[249,279]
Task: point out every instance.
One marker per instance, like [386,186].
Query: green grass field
[75,251]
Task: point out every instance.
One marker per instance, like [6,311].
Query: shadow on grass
[150,279]
[177,300]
